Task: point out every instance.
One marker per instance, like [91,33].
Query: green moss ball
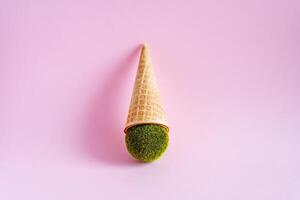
[147,142]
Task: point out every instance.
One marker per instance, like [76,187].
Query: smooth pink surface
[228,71]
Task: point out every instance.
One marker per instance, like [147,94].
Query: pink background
[228,71]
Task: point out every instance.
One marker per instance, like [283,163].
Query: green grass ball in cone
[146,129]
[147,142]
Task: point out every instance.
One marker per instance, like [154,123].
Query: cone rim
[165,125]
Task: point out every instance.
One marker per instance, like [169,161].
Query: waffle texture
[145,105]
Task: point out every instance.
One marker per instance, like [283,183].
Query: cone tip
[145,45]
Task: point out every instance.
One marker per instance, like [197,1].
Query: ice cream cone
[145,106]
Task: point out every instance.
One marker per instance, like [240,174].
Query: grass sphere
[147,142]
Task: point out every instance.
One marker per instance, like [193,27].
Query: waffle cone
[145,105]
